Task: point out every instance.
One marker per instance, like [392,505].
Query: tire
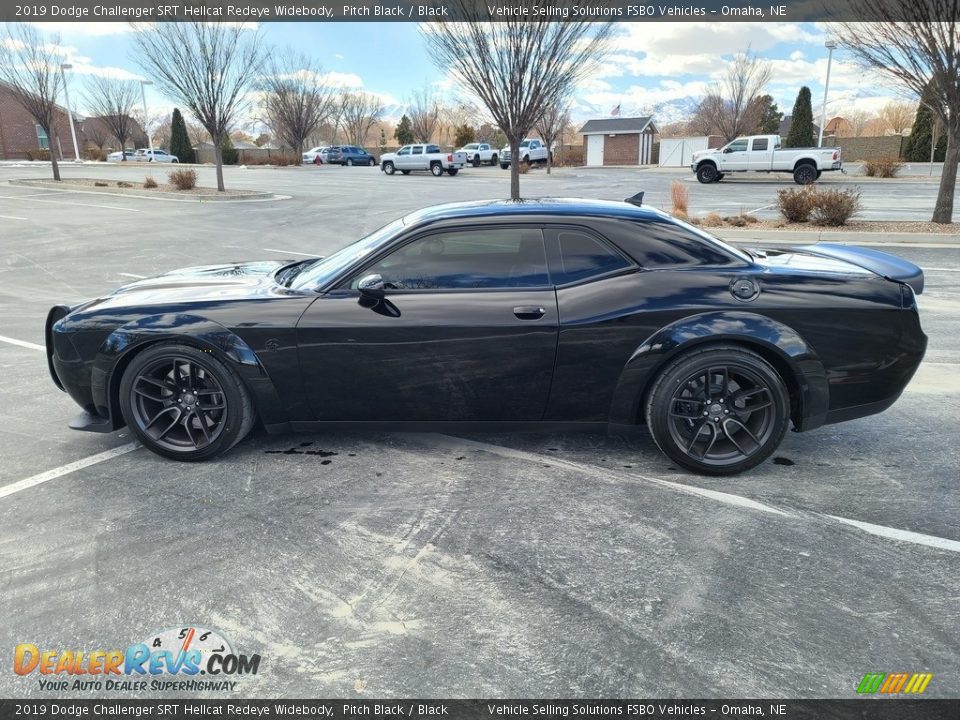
[707,173]
[436,168]
[175,162]
[504,167]
[388,168]
[476,161]
[493,160]
[747,394]
[819,173]
[804,174]
[453,171]
[405,172]
[720,177]
[159,383]
[371,162]
[349,162]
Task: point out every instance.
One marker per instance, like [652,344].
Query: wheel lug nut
[705,413]
[721,399]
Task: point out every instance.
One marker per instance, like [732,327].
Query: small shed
[618,141]
[678,152]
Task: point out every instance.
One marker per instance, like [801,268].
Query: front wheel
[183,403]
[804,174]
[388,168]
[437,169]
[504,167]
[720,177]
[405,172]
[349,162]
[493,160]
[707,174]
[718,411]
[452,171]
[371,162]
[476,161]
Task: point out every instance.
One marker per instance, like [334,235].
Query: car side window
[417,150]
[584,256]
[404,151]
[737,146]
[658,245]
[760,143]
[433,148]
[466,259]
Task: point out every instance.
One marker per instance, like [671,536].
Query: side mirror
[371,286]
[727,150]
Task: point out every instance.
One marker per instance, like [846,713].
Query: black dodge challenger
[555,313]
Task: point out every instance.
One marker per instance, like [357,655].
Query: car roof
[538,206]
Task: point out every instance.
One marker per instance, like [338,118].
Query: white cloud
[88,29]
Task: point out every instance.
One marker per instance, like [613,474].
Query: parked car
[349,155]
[540,313]
[121,155]
[155,155]
[479,153]
[531,151]
[312,154]
[423,157]
[762,153]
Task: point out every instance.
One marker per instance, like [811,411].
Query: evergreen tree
[229,152]
[463,134]
[801,127]
[404,131]
[770,116]
[917,148]
[179,140]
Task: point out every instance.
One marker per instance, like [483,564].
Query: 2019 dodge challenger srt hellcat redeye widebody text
[554,313]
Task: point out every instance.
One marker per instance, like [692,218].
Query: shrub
[735,221]
[883,167]
[795,205]
[96,155]
[679,197]
[40,154]
[101,184]
[712,220]
[523,168]
[149,183]
[183,179]
[123,184]
[835,207]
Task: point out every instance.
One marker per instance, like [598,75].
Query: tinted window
[760,144]
[737,146]
[417,150]
[463,259]
[433,148]
[403,151]
[664,244]
[583,256]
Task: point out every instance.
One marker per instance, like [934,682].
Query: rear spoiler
[884,264]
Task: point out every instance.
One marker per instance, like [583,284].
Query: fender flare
[120,346]
[780,345]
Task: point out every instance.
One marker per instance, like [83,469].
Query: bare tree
[916,43]
[857,121]
[359,112]
[551,123]
[207,67]
[424,114]
[30,67]
[730,107]
[898,115]
[295,99]
[113,101]
[197,132]
[516,68]
[94,130]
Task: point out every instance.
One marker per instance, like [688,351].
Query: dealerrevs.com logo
[172,660]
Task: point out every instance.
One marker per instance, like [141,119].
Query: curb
[803,236]
[65,186]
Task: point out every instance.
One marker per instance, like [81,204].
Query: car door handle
[529,312]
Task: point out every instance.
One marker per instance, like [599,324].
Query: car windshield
[326,269]
[471,146]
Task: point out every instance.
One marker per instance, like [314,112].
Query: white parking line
[12,217]
[43,477]
[21,343]
[942,269]
[132,275]
[61,202]
[291,252]
[726,498]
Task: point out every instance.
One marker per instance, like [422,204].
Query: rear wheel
[371,162]
[707,174]
[388,168]
[453,171]
[719,177]
[493,160]
[436,168]
[476,161]
[405,172]
[504,167]
[349,162]
[183,403]
[718,411]
[804,174]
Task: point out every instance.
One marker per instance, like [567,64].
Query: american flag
[616,110]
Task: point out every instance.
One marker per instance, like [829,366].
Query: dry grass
[149,183]
[795,204]
[680,198]
[183,179]
[712,220]
[882,167]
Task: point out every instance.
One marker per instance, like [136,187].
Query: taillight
[449,158]
[836,155]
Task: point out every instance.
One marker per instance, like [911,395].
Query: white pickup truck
[762,153]
[531,151]
[422,157]
[478,153]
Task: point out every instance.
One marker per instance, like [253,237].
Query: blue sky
[654,67]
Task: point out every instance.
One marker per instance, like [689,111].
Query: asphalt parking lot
[427,565]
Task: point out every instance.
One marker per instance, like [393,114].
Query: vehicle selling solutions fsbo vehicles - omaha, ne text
[507,315]
[762,153]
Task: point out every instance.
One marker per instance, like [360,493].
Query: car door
[760,154]
[735,156]
[465,330]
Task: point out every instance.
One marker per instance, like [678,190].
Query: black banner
[872,709]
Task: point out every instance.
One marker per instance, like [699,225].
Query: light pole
[831,46]
[66,93]
[143,96]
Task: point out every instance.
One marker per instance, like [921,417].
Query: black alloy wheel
[476,160]
[718,411]
[804,174]
[707,174]
[184,403]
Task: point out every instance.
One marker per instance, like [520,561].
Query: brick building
[21,138]
[619,141]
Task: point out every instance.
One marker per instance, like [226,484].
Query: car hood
[211,283]
[843,259]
